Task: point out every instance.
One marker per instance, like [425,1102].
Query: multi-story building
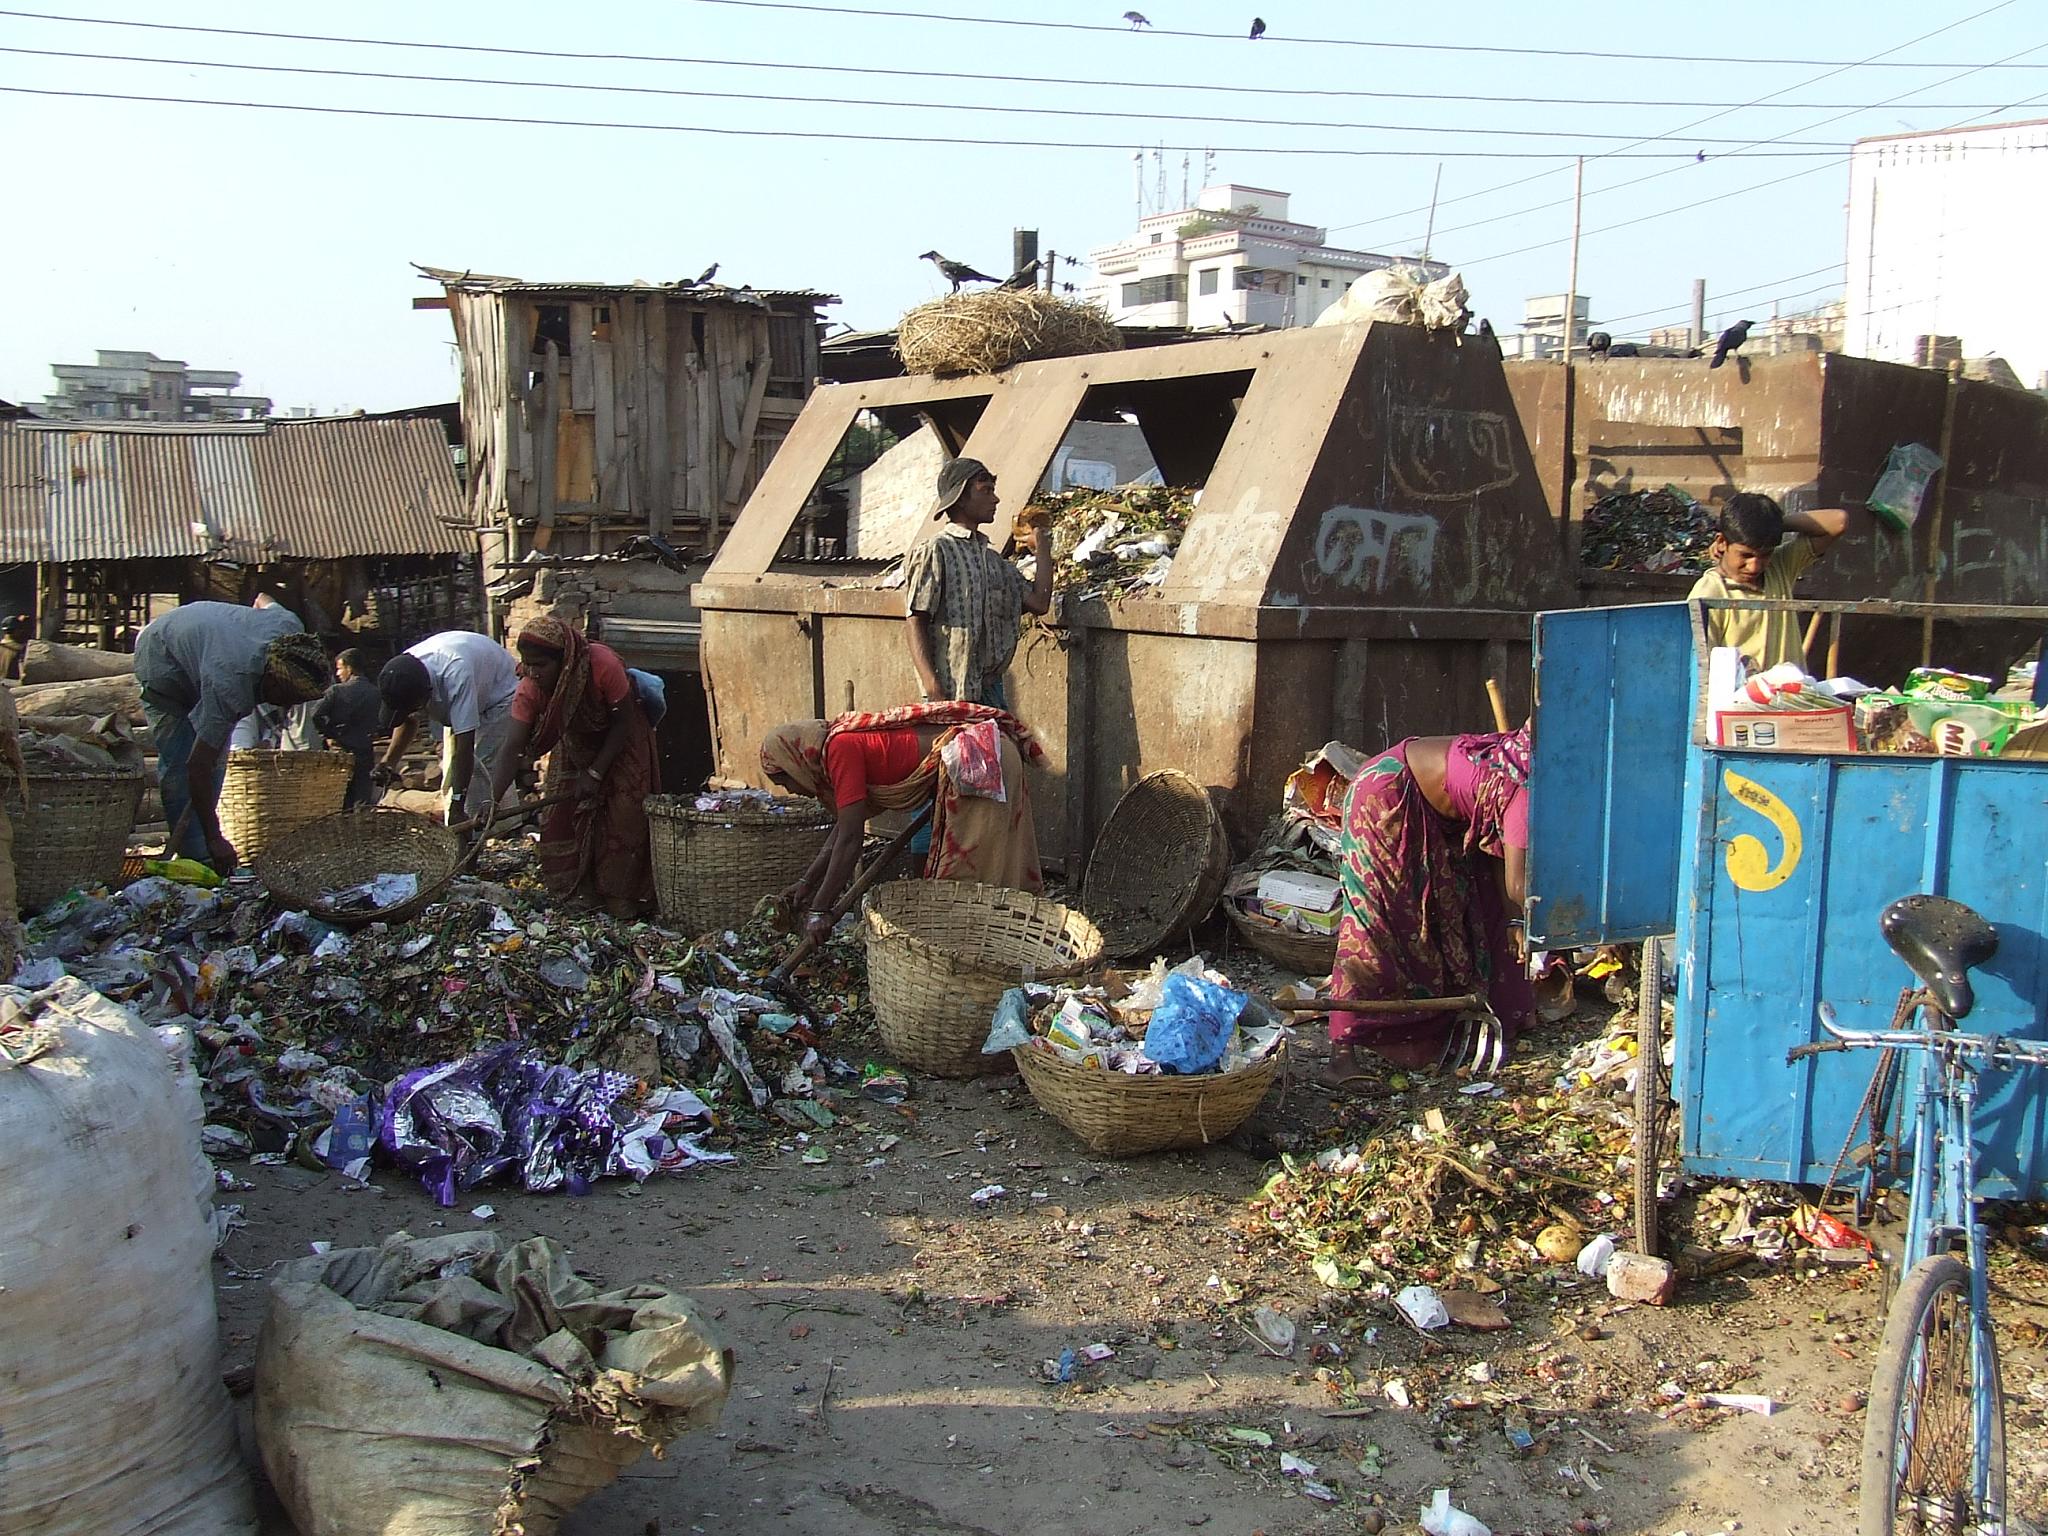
[1235,258]
[1946,231]
[140,386]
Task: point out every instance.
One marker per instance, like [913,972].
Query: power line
[857,138]
[1743,153]
[1323,42]
[1801,85]
[856,101]
[1736,293]
[1094,83]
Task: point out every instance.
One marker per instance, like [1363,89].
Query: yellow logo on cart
[1749,862]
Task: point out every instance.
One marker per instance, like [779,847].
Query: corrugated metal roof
[709,293]
[248,491]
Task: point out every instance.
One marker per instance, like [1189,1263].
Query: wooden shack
[601,418]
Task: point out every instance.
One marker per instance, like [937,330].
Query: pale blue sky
[279,243]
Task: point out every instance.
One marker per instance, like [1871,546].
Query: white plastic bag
[114,1421]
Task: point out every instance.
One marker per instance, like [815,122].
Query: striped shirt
[974,599]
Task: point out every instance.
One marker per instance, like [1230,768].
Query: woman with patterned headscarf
[1435,855]
[966,760]
[576,703]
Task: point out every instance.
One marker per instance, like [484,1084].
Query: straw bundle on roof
[998,327]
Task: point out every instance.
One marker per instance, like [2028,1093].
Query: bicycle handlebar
[1993,1050]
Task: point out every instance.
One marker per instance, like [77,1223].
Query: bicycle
[1934,1435]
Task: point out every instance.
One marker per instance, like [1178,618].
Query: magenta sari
[1424,913]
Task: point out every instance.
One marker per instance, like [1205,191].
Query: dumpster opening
[1183,421]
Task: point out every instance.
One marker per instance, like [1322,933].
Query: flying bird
[1731,341]
[1258,28]
[706,275]
[1598,343]
[957,272]
[1136,19]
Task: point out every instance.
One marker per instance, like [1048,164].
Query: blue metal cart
[1768,870]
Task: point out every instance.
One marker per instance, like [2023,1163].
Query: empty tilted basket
[70,830]
[1158,866]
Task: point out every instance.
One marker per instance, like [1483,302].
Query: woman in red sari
[967,760]
[1436,834]
[576,703]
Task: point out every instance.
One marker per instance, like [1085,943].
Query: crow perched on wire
[1136,19]
[957,272]
[1258,28]
[1731,341]
[1598,343]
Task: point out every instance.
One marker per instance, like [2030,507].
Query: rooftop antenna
[1184,161]
[1434,187]
[1138,179]
[1159,157]
[1208,166]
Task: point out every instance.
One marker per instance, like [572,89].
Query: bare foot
[1341,1072]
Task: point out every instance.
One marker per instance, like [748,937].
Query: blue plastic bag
[1191,1027]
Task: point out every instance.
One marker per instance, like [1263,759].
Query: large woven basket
[267,793]
[1312,954]
[1158,866]
[1120,1114]
[302,867]
[711,868]
[70,830]
[941,952]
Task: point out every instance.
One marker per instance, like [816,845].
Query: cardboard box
[1298,888]
[1786,730]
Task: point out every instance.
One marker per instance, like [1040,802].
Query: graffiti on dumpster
[1749,862]
[1441,454]
[1360,548]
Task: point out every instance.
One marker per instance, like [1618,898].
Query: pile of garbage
[1291,879]
[1113,544]
[1488,1179]
[1652,532]
[1185,1020]
[490,1036]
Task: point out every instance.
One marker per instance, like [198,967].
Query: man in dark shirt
[347,715]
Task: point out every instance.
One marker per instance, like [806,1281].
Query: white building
[1946,232]
[1234,258]
[1542,332]
[140,386]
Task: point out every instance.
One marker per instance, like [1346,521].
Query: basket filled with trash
[372,866]
[265,794]
[1178,1058]
[718,852]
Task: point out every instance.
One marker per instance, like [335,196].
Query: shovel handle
[880,866]
[1322,1003]
[518,812]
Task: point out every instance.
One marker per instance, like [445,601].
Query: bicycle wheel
[1653,1096]
[1920,1436]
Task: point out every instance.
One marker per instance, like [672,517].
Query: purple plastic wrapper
[502,1110]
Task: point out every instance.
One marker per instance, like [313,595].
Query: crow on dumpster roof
[1731,341]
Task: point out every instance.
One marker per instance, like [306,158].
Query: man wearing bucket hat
[201,668]
[965,599]
[464,681]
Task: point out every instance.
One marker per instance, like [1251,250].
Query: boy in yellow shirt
[1752,559]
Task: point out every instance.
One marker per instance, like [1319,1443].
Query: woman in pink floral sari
[967,760]
[1436,834]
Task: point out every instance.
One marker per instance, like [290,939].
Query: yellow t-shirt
[1765,639]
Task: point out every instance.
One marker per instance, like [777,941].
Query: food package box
[1297,888]
[1786,730]
[1301,919]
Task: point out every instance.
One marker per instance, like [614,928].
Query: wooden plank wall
[658,418]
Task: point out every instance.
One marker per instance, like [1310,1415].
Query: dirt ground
[892,1335]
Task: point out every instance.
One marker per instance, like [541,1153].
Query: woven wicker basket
[1312,954]
[1119,1114]
[941,952]
[335,852]
[711,868]
[70,830]
[1158,866]
[267,793]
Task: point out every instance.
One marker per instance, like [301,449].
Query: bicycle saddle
[1940,939]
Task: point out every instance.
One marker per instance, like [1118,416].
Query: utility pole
[1023,249]
[1434,187]
[1698,328]
[1571,287]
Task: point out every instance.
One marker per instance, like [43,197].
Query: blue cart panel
[1783,862]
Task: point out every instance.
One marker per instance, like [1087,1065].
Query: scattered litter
[1747,1402]
[1423,1308]
[1396,1391]
[374,894]
[1596,1256]
[1275,1329]
[1440,1517]
[988,1192]
[483,1212]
